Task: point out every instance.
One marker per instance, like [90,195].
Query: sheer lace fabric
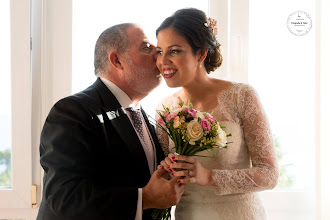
[248,165]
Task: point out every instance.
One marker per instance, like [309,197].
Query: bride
[223,186]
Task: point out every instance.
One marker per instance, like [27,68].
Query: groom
[98,151]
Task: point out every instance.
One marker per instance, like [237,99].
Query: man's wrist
[145,199]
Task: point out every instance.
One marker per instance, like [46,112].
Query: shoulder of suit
[88,99]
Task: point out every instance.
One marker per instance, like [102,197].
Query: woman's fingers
[187,180]
[186,166]
[168,167]
[189,170]
[173,166]
[171,157]
[183,173]
[187,176]
[165,166]
[182,158]
[168,161]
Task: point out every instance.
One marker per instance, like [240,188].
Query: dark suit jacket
[93,160]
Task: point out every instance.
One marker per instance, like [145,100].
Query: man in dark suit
[99,162]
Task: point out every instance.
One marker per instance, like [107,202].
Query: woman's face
[175,58]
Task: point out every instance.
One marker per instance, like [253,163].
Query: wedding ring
[189,173]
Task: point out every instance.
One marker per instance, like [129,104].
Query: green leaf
[180,101]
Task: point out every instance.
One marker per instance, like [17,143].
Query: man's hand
[161,193]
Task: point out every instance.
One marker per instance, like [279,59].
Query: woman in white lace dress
[224,186]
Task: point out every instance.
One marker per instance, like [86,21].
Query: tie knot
[133,110]
[135,114]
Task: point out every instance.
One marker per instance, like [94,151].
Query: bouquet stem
[161,214]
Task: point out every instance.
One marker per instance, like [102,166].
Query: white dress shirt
[126,102]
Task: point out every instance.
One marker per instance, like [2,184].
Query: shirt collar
[120,95]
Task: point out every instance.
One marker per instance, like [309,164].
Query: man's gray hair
[113,38]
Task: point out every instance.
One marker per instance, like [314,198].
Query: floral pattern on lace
[245,106]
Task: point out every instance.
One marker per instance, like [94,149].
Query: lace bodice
[249,164]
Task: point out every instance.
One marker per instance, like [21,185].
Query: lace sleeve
[161,135]
[264,171]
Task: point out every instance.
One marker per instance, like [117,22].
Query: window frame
[18,196]
[44,77]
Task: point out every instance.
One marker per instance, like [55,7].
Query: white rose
[195,131]
[176,110]
[200,115]
[221,138]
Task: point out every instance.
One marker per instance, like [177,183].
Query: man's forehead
[137,36]
[136,31]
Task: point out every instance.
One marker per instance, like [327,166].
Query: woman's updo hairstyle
[191,23]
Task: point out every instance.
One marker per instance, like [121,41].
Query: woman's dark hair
[191,24]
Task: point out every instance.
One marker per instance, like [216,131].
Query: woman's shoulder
[226,86]
[232,94]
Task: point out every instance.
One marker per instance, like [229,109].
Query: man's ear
[114,59]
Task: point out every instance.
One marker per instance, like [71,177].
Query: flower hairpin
[212,24]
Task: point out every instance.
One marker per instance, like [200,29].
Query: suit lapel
[114,115]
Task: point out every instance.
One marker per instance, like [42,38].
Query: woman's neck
[197,90]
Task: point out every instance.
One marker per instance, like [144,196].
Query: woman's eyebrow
[175,45]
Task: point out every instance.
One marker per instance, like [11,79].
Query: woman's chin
[172,84]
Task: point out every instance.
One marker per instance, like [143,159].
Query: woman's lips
[169,73]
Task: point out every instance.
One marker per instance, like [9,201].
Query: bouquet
[192,131]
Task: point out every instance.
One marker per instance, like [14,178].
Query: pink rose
[209,118]
[160,121]
[206,125]
[173,115]
[192,112]
[170,116]
[167,116]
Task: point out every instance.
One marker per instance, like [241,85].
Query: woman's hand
[193,170]
[166,164]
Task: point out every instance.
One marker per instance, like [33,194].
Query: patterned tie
[137,118]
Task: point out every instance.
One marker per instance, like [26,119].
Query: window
[16,113]
[5,94]
[282,69]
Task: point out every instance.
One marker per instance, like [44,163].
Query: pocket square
[111,114]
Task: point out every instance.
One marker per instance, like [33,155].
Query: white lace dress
[247,166]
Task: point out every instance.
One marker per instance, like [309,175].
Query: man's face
[141,73]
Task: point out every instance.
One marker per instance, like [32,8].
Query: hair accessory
[212,24]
